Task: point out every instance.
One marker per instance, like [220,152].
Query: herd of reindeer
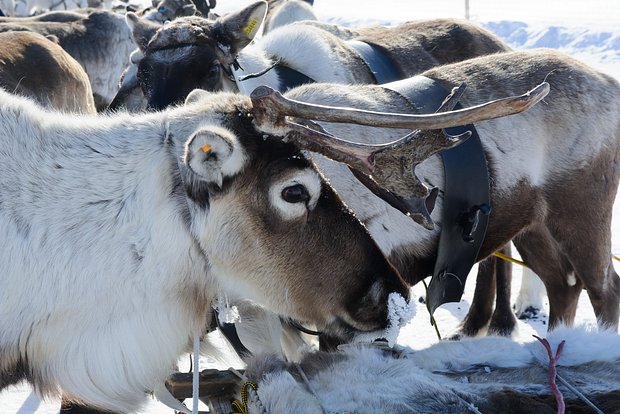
[154,161]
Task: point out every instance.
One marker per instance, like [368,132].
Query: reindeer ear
[243,25]
[52,38]
[196,95]
[214,153]
[142,30]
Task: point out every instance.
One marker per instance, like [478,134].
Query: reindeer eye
[214,71]
[295,194]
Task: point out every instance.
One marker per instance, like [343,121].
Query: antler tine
[273,106]
[316,139]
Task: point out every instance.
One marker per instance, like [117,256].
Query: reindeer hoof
[529,313]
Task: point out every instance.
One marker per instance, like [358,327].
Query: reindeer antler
[383,161]
[271,110]
[275,107]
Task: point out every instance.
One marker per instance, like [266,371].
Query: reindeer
[194,53]
[33,66]
[130,95]
[544,166]
[118,231]
[124,227]
[100,41]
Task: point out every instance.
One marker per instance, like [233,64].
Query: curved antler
[275,106]
[271,110]
[391,165]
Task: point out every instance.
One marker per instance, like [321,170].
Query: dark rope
[261,73]
[303,329]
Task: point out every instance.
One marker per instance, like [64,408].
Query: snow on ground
[589,31]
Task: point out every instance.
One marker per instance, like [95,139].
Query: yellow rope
[241,407]
[519,262]
[510,259]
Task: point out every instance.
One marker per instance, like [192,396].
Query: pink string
[552,371]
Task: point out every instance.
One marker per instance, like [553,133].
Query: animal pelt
[487,374]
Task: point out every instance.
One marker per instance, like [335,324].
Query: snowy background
[588,30]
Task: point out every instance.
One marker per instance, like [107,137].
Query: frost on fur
[399,314]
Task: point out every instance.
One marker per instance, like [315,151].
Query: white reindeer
[117,231]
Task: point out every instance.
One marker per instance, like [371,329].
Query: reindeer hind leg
[544,256]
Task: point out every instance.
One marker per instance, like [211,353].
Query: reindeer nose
[373,308]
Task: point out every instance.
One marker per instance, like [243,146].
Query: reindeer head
[192,52]
[274,231]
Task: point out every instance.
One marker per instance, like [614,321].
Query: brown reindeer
[33,66]
[545,165]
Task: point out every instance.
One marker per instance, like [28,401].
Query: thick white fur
[304,48]
[262,331]
[531,293]
[95,241]
[368,381]
[289,12]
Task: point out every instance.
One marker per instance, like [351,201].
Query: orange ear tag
[206,148]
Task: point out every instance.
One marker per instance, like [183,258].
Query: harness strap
[290,78]
[466,198]
[379,63]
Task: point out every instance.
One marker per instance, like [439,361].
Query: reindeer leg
[539,249]
[581,225]
[529,302]
[493,275]
[590,255]
[482,303]
[503,320]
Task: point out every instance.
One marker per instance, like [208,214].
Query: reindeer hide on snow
[483,375]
